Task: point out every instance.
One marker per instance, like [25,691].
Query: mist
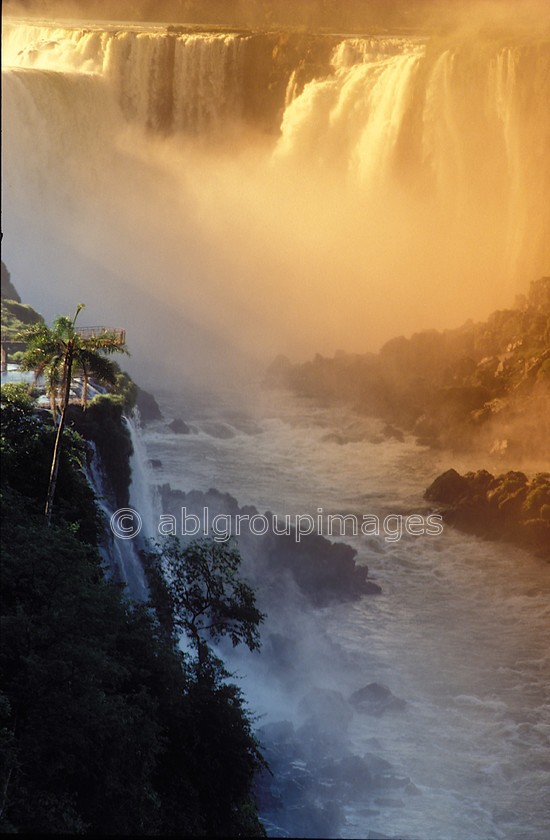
[228,196]
[405,189]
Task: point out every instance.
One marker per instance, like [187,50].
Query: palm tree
[57,352]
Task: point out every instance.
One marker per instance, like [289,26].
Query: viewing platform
[115,334]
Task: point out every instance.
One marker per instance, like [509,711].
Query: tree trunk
[85,390]
[57,447]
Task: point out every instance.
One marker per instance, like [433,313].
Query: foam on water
[460,631]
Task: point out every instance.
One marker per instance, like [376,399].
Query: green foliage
[207,596]
[537,498]
[124,387]
[26,446]
[57,352]
[103,726]
[17,394]
[60,351]
[17,316]
[72,695]
[103,423]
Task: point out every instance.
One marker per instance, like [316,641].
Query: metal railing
[117,334]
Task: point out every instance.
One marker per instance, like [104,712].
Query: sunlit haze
[399,182]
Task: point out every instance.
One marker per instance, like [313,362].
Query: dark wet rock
[315,820]
[103,424]
[448,488]
[327,708]
[376,699]
[323,571]
[391,433]
[313,770]
[509,507]
[217,430]
[7,289]
[350,776]
[179,427]
[326,571]
[156,463]
[148,407]
[334,437]
[377,766]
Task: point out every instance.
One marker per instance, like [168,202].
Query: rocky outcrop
[322,571]
[314,769]
[103,424]
[179,426]
[509,507]
[482,386]
[7,289]
[147,406]
[375,699]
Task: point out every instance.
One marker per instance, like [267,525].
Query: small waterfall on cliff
[120,555]
[143,494]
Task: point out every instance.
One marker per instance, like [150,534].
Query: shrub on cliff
[103,726]
[26,444]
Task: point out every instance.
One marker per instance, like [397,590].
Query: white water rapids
[461,631]
[407,187]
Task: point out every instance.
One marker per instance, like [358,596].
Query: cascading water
[408,177]
[120,555]
[406,188]
[143,496]
[459,635]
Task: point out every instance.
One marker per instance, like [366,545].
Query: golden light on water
[405,189]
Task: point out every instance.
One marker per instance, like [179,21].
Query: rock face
[179,427]
[8,290]
[102,423]
[483,386]
[148,407]
[375,699]
[315,775]
[509,507]
[321,570]
[447,488]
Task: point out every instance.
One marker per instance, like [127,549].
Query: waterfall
[406,186]
[120,555]
[164,82]
[143,493]
[465,126]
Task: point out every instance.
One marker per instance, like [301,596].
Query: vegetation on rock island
[483,386]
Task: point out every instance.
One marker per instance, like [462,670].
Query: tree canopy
[104,726]
[56,352]
[207,597]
